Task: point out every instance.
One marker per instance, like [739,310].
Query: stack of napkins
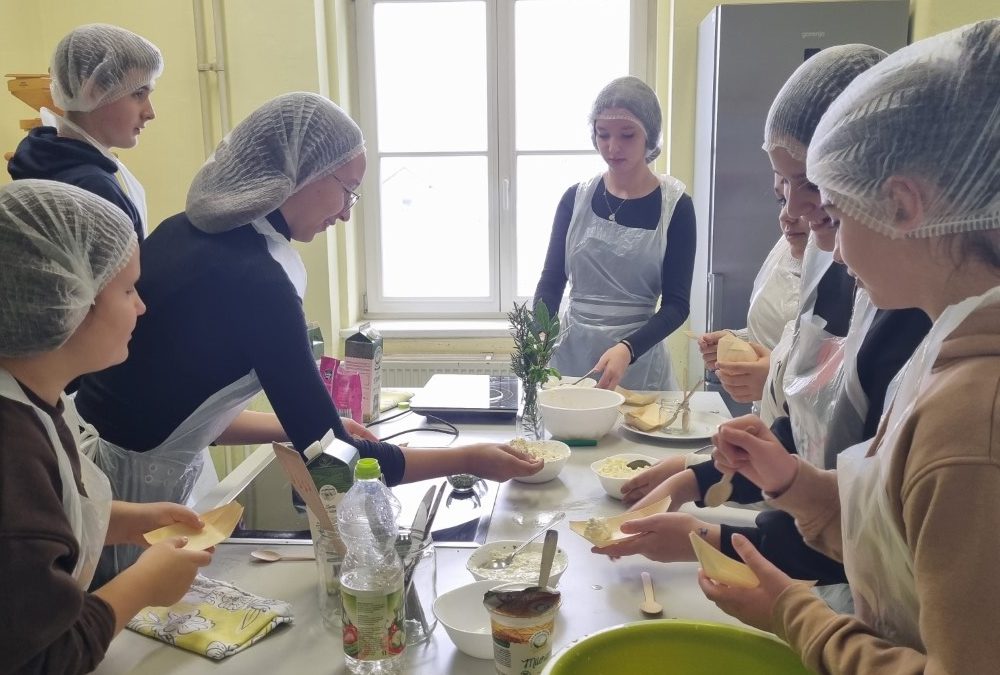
[214,619]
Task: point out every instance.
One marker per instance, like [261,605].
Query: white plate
[700,427]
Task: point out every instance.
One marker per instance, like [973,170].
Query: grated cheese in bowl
[617,467]
[545,450]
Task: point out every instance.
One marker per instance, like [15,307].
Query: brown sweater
[47,623]
[944,480]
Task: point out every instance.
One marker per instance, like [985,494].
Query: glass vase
[531,427]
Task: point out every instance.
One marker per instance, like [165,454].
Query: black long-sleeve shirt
[218,306]
[678,261]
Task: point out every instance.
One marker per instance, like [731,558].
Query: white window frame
[501,161]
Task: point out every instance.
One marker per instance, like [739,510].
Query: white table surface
[597,592]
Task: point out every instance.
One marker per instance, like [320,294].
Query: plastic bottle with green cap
[371,579]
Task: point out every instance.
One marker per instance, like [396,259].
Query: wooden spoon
[267,555]
[649,606]
[719,494]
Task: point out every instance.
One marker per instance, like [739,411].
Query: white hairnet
[59,247]
[931,112]
[280,148]
[809,91]
[633,95]
[98,63]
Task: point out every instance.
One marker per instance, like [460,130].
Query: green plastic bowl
[672,647]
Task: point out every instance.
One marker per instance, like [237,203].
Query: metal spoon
[267,555]
[649,605]
[576,382]
[720,493]
[503,563]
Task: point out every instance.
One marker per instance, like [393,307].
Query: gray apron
[168,472]
[614,277]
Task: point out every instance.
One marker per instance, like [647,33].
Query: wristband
[631,352]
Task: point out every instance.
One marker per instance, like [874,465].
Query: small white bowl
[503,547]
[464,618]
[611,485]
[579,413]
[552,467]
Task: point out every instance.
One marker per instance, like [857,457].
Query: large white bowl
[552,467]
[611,485]
[464,618]
[503,547]
[579,413]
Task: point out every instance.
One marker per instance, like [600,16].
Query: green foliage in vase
[535,333]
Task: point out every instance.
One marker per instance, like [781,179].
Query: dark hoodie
[43,154]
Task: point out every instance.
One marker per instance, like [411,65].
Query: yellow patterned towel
[214,619]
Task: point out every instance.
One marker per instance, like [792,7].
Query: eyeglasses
[351,197]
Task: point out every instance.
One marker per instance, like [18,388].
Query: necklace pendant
[611,217]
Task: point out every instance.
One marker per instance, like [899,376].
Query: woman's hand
[129,521]
[662,537]
[612,366]
[745,381]
[752,606]
[682,488]
[708,345]
[358,430]
[747,446]
[500,462]
[164,572]
[643,483]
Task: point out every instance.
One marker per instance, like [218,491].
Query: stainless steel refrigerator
[745,54]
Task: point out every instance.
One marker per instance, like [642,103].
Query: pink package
[344,388]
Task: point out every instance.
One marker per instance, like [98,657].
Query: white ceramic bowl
[552,467]
[579,413]
[464,618]
[613,486]
[523,573]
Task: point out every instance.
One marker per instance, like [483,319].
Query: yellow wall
[272,48]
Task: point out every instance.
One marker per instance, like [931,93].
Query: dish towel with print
[214,619]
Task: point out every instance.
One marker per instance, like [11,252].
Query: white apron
[614,274]
[814,370]
[876,556]
[88,515]
[774,300]
[169,471]
[133,188]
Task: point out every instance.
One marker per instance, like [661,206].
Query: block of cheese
[647,418]
[734,350]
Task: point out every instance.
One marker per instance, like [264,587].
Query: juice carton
[363,355]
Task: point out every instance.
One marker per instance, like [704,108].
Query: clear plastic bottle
[371,578]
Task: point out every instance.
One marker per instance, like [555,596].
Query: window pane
[566,50]
[435,227]
[541,183]
[430,76]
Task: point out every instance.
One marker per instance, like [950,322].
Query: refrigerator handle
[715,282]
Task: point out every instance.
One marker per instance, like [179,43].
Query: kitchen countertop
[597,592]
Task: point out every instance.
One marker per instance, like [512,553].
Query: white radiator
[413,370]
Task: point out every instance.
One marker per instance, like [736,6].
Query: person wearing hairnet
[623,240]
[68,305]
[102,77]
[906,160]
[774,305]
[852,374]
[224,287]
